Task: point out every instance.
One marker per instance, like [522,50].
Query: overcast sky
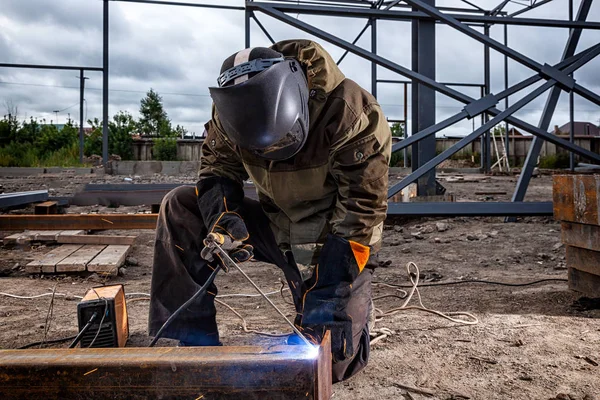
[178,52]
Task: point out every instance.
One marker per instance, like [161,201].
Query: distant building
[580,128]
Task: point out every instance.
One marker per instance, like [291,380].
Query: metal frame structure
[424,16]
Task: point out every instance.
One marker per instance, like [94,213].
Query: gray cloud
[178,52]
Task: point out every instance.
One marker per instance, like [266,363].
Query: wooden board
[79,259]
[577,198]
[109,261]
[583,260]
[97,239]
[39,236]
[77,221]
[584,282]
[581,235]
[47,264]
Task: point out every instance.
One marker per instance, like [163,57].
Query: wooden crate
[577,206]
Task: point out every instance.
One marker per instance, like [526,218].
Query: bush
[554,161]
[120,131]
[51,139]
[18,155]
[165,149]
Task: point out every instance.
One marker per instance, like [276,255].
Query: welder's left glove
[325,303]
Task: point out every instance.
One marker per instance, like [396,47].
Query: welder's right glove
[325,303]
[220,200]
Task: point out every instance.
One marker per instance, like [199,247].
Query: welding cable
[83,330]
[474,281]
[47,342]
[198,295]
[101,321]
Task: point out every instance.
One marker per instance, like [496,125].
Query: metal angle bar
[467,139]
[354,41]
[263,29]
[411,15]
[494,44]
[471,209]
[489,124]
[176,3]
[549,108]
[57,67]
[531,7]
[21,198]
[443,83]
[499,7]
[473,5]
[452,93]
[503,94]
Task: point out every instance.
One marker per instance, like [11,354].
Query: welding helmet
[262,102]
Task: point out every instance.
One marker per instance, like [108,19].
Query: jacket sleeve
[219,157]
[359,162]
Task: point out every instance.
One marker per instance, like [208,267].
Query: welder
[316,147]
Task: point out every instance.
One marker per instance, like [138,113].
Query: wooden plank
[583,260]
[577,198]
[220,372]
[46,208]
[77,221]
[584,282]
[79,259]
[581,235]
[49,236]
[109,260]
[97,239]
[15,238]
[47,264]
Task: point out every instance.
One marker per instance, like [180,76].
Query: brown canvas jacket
[337,183]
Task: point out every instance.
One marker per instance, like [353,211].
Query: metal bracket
[563,80]
[476,107]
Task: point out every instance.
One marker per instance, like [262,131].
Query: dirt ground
[530,342]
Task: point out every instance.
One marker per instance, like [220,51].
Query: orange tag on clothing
[361,254]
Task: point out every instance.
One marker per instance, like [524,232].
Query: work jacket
[337,183]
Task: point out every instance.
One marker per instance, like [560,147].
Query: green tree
[153,118]
[28,131]
[51,139]
[120,131]
[9,127]
[397,129]
[499,130]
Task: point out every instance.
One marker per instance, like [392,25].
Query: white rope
[469,319]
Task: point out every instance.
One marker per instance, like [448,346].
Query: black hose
[198,295]
[83,330]
[55,341]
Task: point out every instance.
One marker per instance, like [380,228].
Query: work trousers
[178,272]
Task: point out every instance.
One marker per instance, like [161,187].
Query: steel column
[82,79]
[506,134]
[423,102]
[247,15]
[486,88]
[105,72]
[373,22]
[470,209]
[549,108]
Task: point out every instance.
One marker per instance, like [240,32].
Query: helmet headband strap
[256,65]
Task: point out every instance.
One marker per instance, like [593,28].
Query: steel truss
[424,15]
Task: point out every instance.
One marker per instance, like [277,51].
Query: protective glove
[238,251]
[219,200]
[325,303]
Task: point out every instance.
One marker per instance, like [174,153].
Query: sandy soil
[530,342]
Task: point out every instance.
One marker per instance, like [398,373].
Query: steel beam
[354,42]
[498,118]
[502,95]
[178,3]
[422,79]
[223,372]
[549,108]
[77,222]
[470,209]
[263,29]
[411,15]
[56,67]
[486,40]
[22,198]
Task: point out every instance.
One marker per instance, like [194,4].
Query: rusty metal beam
[248,372]
[77,222]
